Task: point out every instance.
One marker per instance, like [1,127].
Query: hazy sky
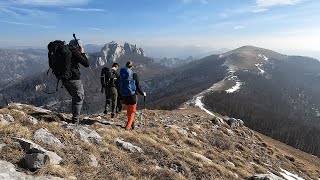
[274,24]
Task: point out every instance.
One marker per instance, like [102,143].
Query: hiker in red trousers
[130,87]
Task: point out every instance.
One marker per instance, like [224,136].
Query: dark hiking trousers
[75,89]
[111,97]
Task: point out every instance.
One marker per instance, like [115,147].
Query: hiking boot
[105,112]
[75,120]
[133,125]
[112,115]
[128,129]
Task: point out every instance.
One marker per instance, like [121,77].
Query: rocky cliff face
[179,144]
[112,51]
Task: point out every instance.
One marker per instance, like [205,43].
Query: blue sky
[292,25]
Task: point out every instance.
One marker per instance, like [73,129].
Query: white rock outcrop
[8,172]
[43,135]
[128,146]
[36,156]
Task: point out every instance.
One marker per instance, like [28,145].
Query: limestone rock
[179,129]
[112,51]
[33,120]
[128,146]
[217,121]
[8,172]
[41,110]
[36,160]
[2,145]
[230,132]
[234,123]
[6,118]
[86,134]
[94,161]
[46,137]
[32,154]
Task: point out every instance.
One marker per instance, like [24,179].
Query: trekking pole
[144,108]
[74,36]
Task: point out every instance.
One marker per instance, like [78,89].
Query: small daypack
[60,56]
[127,85]
[107,77]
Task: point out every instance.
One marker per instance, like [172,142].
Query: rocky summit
[112,51]
[179,144]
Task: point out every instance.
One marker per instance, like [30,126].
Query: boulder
[8,172]
[6,118]
[179,129]
[36,160]
[33,120]
[33,158]
[229,164]
[217,121]
[94,161]
[230,132]
[43,135]
[234,123]
[86,134]
[2,145]
[265,177]
[40,110]
[128,146]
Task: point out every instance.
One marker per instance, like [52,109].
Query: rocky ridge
[179,144]
[17,64]
[112,51]
[175,62]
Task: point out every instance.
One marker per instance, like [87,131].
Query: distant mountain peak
[250,58]
[253,50]
[113,50]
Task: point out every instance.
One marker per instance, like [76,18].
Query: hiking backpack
[127,85]
[60,56]
[107,77]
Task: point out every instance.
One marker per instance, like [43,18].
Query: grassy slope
[168,153]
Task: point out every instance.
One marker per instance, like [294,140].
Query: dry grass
[11,152]
[167,152]
[54,170]
[14,130]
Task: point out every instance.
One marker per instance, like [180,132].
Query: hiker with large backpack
[110,83]
[129,92]
[64,61]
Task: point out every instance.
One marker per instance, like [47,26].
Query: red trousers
[131,109]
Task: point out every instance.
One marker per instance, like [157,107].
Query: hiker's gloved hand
[144,94]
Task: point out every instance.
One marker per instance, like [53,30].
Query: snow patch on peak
[259,67]
[264,57]
[235,78]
